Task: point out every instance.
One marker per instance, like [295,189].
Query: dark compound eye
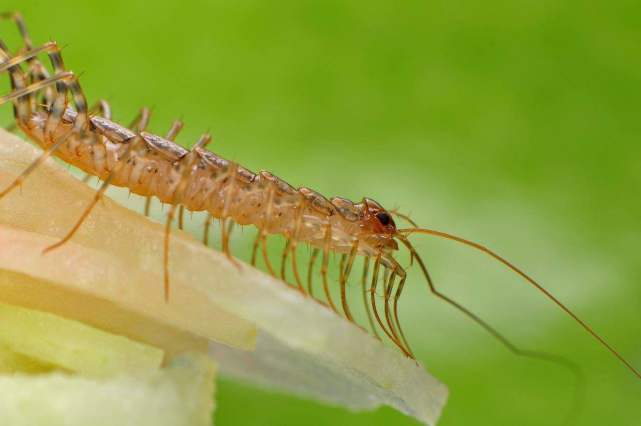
[383,218]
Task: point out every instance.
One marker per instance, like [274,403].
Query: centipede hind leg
[36,70]
[17,18]
[64,81]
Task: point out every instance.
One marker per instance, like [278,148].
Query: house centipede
[51,109]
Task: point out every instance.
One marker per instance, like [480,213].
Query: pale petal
[116,256]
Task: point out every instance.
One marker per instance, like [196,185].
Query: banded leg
[36,70]
[22,108]
[54,116]
[17,18]
[62,80]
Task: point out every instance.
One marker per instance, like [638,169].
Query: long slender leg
[294,242]
[175,128]
[395,327]
[66,76]
[255,250]
[223,233]
[389,285]
[263,246]
[22,106]
[36,70]
[263,229]
[377,266]
[283,259]
[365,301]
[97,197]
[165,260]
[399,290]
[21,94]
[226,226]
[206,226]
[147,208]
[345,276]
[22,27]
[16,94]
[230,194]
[310,269]
[372,292]
[181,217]
[140,123]
[261,238]
[185,165]
[324,267]
[299,283]
[102,108]
[341,268]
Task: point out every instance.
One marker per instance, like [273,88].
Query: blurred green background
[512,123]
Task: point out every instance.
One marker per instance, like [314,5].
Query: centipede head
[378,223]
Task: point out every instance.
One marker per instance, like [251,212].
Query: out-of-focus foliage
[513,123]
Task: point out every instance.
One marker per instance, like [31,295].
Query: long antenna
[527,278]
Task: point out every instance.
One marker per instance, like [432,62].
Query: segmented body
[155,167]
